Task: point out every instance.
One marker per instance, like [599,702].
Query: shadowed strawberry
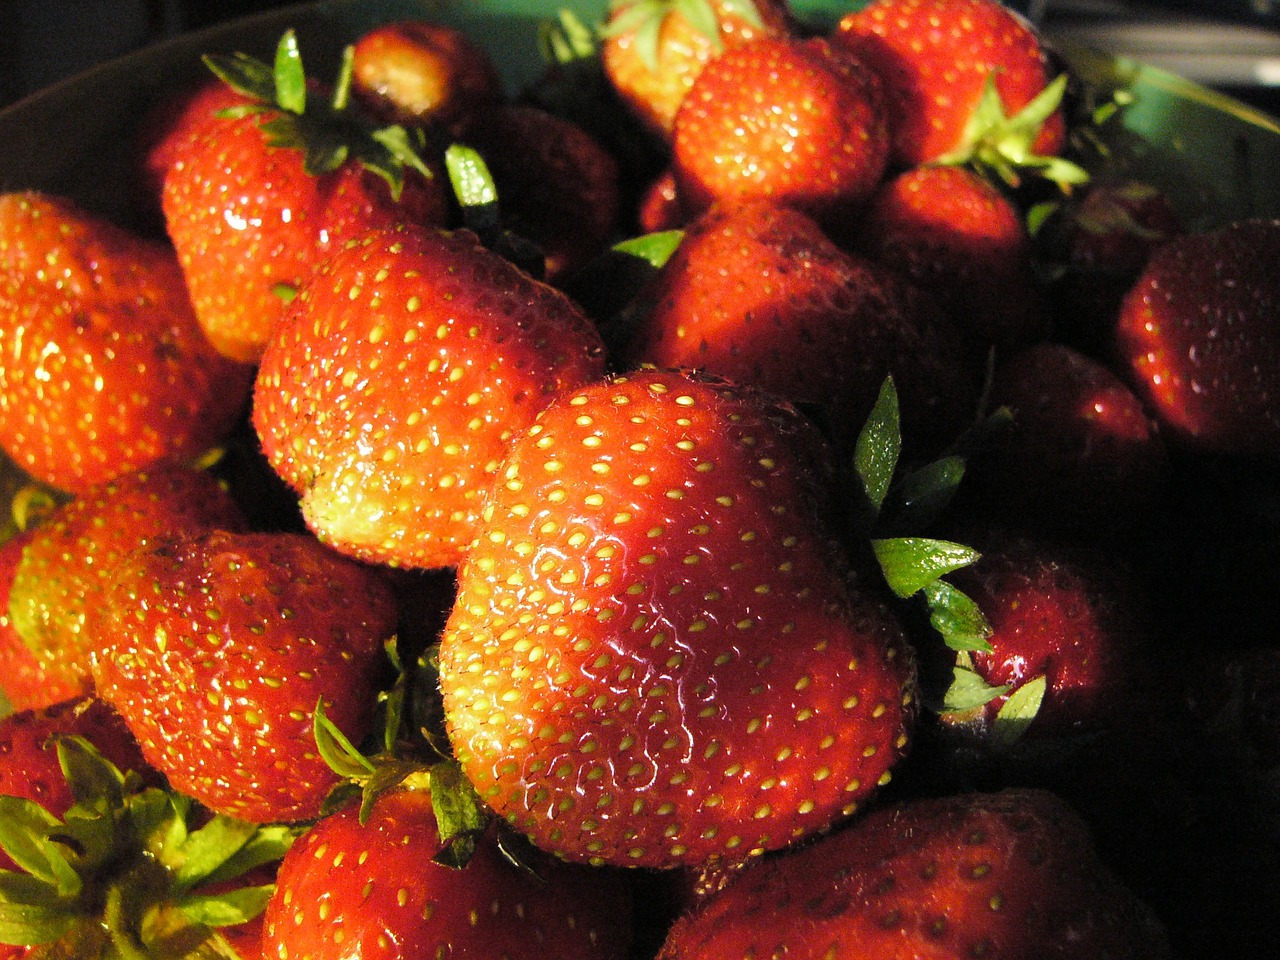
[656,657]
[105,368]
[1197,337]
[71,559]
[396,381]
[224,643]
[1003,876]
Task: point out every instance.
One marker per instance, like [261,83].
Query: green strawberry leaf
[268,844]
[95,782]
[244,74]
[956,617]
[477,194]
[910,564]
[289,79]
[566,40]
[33,912]
[924,494]
[1017,713]
[968,691]
[460,814]
[702,17]
[208,849]
[226,909]
[27,832]
[879,446]
[342,756]
[653,248]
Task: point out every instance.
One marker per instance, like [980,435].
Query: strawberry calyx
[963,705]
[1001,145]
[329,133]
[130,872]
[644,19]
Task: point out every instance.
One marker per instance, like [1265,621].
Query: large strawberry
[389,395]
[653,50]
[1003,876]
[224,644]
[797,122]
[1198,337]
[372,888]
[254,200]
[967,79]
[655,657]
[759,294]
[68,562]
[105,368]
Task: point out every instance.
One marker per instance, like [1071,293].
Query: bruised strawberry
[70,561]
[656,657]
[1003,876]
[374,889]
[796,122]
[390,393]
[224,643]
[759,294]
[1198,338]
[105,368]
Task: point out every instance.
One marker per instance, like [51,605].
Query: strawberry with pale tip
[656,656]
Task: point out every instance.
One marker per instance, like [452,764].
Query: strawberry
[374,889]
[656,656]
[1197,337]
[759,294]
[416,72]
[389,395]
[224,643]
[1080,456]
[69,562]
[1004,875]
[798,122]
[653,50]
[966,79]
[105,368]
[240,201]
[962,239]
[25,685]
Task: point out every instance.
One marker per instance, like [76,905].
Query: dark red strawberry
[275,186]
[759,294]
[1003,876]
[224,643]
[105,368]
[71,560]
[390,394]
[795,122]
[655,657]
[963,240]
[374,890]
[1197,336]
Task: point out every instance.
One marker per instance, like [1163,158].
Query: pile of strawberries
[764,490]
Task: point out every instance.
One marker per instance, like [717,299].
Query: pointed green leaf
[648,42]
[460,814]
[968,691]
[879,445]
[910,564]
[269,844]
[26,831]
[1017,713]
[245,74]
[24,923]
[226,909]
[470,176]
[290,79]
[702,17]
[924,494]
[342,87]
[95,781]
[338,752]
[402,148]
[955,616]
[208,848]
[654,248]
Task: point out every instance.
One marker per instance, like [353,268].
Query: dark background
[1232,45]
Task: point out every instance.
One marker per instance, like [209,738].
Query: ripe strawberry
[223,645]
[105,369]
[759,294]
[655,657]
[937,58]
[24,684]
[241,202]
[1004,876]
[962,239]
[653,50]
[390,393]
[798,122]
[72,559]
[1080,456]
[1197,336]
[415,72]
[375,890]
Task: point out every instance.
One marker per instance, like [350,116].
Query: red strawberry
[70,561]
[105,369]
[796,122]
[962,239]
[240,202]
[1197,335]
[373,890]
[1003,876]
[418,72]
[223,645]
[1080,456]
[391,391]
[25,684]
[759,294]
[937,58]
[655,657]
[653,50]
